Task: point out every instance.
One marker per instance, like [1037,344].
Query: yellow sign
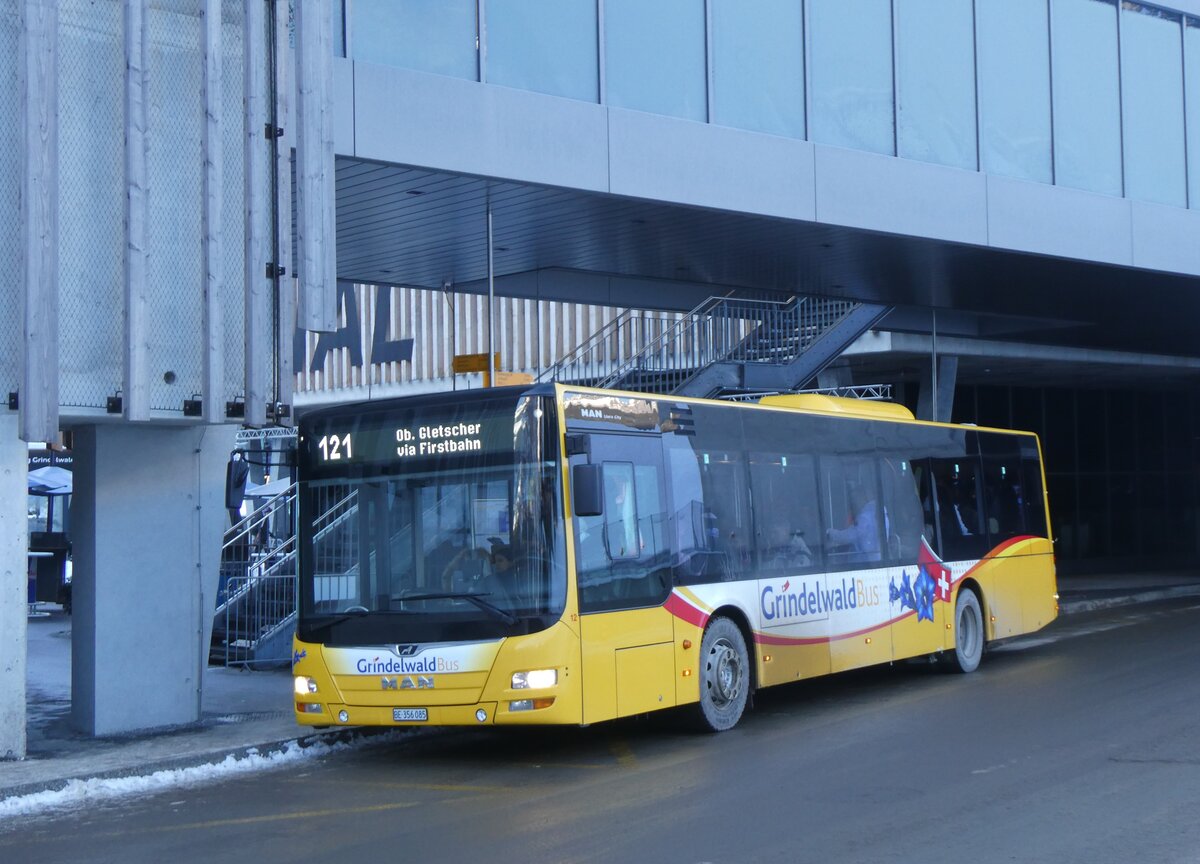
[508,379]
[473,363]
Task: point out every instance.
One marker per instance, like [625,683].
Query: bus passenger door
[622,563]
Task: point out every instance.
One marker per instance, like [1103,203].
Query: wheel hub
[725,674]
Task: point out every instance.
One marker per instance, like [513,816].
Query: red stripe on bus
[685,611]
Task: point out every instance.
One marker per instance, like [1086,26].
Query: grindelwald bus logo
[815,600]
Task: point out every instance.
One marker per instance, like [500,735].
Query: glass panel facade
[1152,81]
[850,74]
[935,77]
[428,35]
[1013,38]
[548,46]
[1087,97]
[654,57]
[1191,47]
[758,65]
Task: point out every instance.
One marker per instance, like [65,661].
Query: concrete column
[14,593]
[147,520]
[834,376]
[947,377]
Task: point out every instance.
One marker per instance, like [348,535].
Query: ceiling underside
[406,226]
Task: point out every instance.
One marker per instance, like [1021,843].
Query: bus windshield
[436,521]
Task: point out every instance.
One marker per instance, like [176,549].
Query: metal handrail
[728,329]
[615,341]
[709,334]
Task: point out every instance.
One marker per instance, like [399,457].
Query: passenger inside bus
[862,535]
[787,548]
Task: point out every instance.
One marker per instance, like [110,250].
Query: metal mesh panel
[91,200]
[10,197]
[175,122]
[233,217]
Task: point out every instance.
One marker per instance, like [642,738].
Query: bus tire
[724,676]
[968,632]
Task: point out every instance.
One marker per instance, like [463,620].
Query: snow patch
[81,793]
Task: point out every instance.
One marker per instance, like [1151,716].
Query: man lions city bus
[557,554]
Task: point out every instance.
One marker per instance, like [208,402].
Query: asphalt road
[1079,744]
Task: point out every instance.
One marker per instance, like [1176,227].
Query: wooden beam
[285,309]
[315,192]
[257,255]
[136,375]
[39,219]
[213,345]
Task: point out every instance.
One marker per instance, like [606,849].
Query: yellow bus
[563,555]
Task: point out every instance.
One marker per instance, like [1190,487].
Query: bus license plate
[409,714]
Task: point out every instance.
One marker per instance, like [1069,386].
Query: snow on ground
[81,793]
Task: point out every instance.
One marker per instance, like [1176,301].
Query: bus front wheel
[968,632]
[724,676]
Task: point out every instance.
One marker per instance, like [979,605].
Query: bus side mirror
[236,474]
[587,490]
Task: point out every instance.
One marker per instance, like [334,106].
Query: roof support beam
[255,164]
[285,312]
[136,391]
[213,346]
[39,219]
[315,192]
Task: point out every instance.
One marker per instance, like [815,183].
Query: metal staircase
[256,596]
[724,345]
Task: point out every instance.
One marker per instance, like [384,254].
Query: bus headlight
[535,679]
[305,685]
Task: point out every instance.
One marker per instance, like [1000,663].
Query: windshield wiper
[354,612]
[477,599]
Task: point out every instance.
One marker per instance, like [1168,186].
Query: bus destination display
[390,442]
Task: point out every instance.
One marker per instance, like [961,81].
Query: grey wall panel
[173,280]
[92,194]
[710,166]
[1165,238]
[12,292]
[1191,7]
[882,193]
[343,106]
[433,121]
[1032,217]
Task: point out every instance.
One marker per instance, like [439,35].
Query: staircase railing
[728,330]
[615,342]
[257,598]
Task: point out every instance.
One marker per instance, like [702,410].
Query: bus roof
[822,403]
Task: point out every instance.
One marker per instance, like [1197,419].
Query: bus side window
[903,521]
[621,556]
[621,533]
[960,519]
[851,510]
[786,527]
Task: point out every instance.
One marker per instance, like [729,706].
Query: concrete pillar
[147,520]
[14,592]
[947,377]
[834,376]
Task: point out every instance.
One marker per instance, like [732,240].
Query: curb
[331,737]
[1074,607]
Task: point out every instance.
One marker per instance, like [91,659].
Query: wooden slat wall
[530,336]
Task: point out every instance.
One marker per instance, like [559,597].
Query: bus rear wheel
[968,632]
[724,676]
